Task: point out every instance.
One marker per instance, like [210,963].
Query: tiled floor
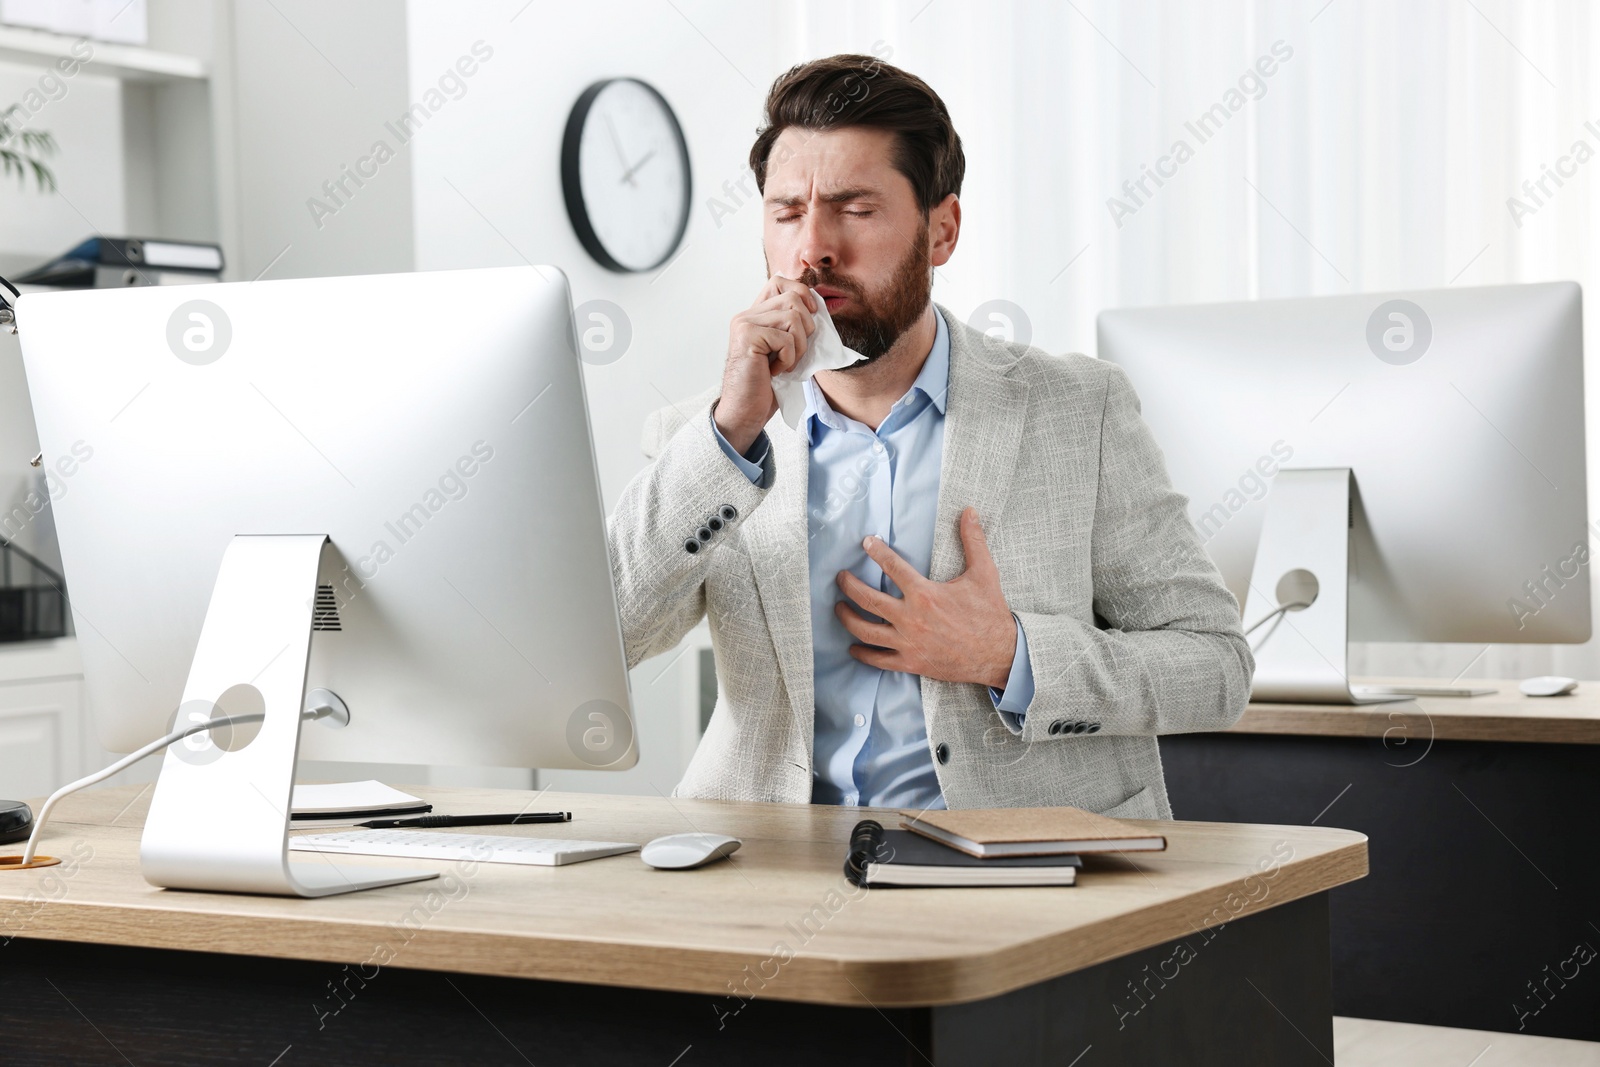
[1371,1043]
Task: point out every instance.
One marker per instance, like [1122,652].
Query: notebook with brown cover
[990,832]
[880,857]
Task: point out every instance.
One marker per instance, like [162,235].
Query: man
[965,580]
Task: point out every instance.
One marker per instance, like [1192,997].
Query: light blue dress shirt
[870,744]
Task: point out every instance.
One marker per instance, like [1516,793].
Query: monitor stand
[219,819]
[1304,555]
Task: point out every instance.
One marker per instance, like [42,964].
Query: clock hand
[627,175]
[616,142]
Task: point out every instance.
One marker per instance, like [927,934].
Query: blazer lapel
[775,537]
[982,435]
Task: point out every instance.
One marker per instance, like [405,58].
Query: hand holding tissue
[824,352]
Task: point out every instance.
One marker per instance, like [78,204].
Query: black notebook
[880,857]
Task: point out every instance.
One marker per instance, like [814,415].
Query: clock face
[625,174]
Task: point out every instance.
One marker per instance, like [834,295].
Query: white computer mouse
[1548,685]
[680,852]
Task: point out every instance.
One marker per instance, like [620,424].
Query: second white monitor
[1460,411]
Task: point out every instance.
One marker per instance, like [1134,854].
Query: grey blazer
[1131,632]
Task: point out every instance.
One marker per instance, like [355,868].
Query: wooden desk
[1483,876]
[771,957]
[1507,715]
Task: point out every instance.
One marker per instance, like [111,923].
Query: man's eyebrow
[838,196]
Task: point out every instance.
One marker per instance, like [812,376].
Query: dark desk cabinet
[1482,908]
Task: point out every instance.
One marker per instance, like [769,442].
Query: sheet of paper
[349,796]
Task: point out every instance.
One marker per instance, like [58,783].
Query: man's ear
[944,229]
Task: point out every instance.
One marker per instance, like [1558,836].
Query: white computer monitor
[1459,413]
[432,425]
[375,497]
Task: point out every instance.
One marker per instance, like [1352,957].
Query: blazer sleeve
[1171,658]
[660,580]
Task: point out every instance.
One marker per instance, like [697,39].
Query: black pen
[468,820]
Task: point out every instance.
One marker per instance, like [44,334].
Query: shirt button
[877,448]
[861,720]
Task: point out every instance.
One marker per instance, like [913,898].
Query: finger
[794,325]
[769,289]
[789,285]
[975,542]
[876,601]
[899,571]
[788,352]
[780,345]
[791,301]
[807,315]
[785,317]
[872,633]
[881,659]
[800,324]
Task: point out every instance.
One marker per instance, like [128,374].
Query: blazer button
[704,533]
[1056,728]
[942,753]
[691,546]
[728,512]
[1094,728]
[715,523]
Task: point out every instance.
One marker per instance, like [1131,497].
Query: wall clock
[625,175]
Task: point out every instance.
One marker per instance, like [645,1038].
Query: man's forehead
[855,157]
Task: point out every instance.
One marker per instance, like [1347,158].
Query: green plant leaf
[33,145]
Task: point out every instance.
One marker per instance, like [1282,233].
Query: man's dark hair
[854,90]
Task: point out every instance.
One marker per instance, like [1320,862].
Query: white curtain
[1379,154]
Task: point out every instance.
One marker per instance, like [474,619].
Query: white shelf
[40,49]
[26,661]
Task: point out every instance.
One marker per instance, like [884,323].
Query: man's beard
[872,324]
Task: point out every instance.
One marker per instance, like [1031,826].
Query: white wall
[171,163]
[313,84]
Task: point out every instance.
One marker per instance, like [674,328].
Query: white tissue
[824,352]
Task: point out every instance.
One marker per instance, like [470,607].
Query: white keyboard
[485,848]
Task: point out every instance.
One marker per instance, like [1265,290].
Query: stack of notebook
[988,847]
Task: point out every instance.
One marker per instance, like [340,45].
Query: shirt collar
[933,381]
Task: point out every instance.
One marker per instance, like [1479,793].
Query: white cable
[1273,614]
[127,761]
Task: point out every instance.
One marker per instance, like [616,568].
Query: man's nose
[818,249]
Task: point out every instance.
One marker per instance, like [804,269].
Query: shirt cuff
[1012,701]
[752,468]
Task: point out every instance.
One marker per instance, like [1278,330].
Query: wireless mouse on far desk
[1548,685]
[681,852]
